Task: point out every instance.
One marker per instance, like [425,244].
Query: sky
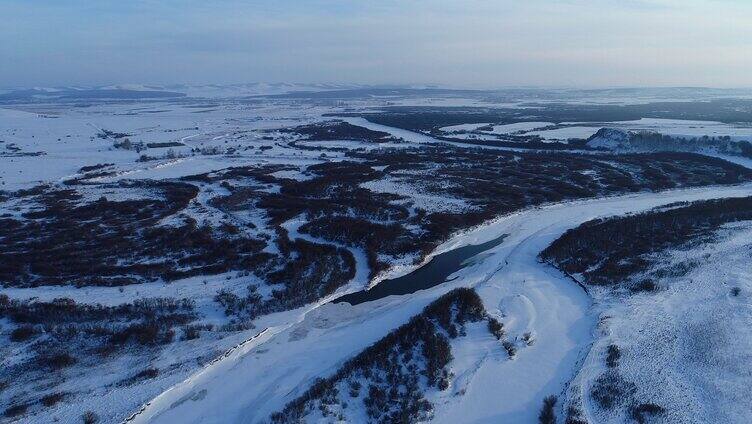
[452,43]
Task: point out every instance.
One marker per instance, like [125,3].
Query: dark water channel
[431,274]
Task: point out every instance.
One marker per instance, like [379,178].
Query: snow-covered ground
[66,139]
[529,297]
[686,347]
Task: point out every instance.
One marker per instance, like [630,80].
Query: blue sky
[471,43]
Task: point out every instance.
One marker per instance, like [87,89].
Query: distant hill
[85,94]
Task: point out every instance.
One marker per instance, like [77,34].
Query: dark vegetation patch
[390,377]
[66,311]
[192,332]
[56,360]
[433,118]
[574,416]
[308,271]
[337,209]
[606,252]
[648,141]
[532,142]
[390,239]
[66,334]
[108,134]
[111,243]
[548,413]
[89,417]
[643,412]
[338,130]
[334,190]
[496,328]
[510,347]
[646,285]
[311,272]
[65,240]
[611,390]
[53,399]
[16,410]
[22,333]
[145,374]
[164,145]
[68,326]
[613,354]
[95,167]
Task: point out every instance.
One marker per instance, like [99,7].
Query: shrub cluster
[147,321]
[609,251]
[390,376]
[116,242]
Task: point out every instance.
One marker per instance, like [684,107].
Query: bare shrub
[641,412]
[22,333]
[56,361]
[16,410]
[574,416]
[146,374]
[528,338]
[89,417]
[496,328]
[612,356]
[610,390]
[646,285]
[191,332]
[53,398]
[547,414]
[510,348]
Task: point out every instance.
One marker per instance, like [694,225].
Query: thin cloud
[469,43]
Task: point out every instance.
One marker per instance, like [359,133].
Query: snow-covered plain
[67,140]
